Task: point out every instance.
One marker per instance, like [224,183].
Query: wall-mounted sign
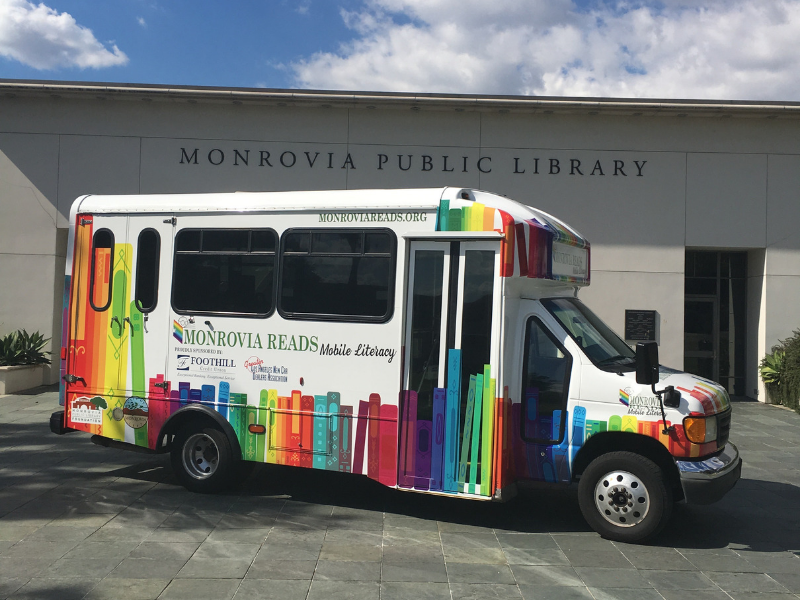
[640,325]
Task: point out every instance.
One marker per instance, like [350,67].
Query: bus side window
[148,253]
[100,284]
[337,275]
[224,272]
[545,385]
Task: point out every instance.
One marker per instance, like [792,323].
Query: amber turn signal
[700,430]
[256,429]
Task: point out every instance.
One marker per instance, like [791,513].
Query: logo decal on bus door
[177,331]
[135,411]
[87,410]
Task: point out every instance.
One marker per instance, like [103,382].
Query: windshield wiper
[615,359]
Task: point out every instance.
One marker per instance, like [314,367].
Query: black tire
[624,497]
[203,459]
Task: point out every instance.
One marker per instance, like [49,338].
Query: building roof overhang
[11,88]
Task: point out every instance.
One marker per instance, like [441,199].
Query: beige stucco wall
[706,182]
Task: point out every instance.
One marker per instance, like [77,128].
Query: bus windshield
[603,347]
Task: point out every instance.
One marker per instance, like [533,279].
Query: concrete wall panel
[726,200]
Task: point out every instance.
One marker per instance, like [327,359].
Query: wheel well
[615,441]
[199,416]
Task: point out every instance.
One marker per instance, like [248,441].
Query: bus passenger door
[452,343]
[97,340]
[147,324]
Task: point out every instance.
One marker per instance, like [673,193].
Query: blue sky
[723,49]
[184,42]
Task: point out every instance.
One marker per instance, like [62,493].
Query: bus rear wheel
[203,459]
[624,497]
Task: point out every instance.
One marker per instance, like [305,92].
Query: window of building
[343,275]
[224,271]
[148,252]
[102,251]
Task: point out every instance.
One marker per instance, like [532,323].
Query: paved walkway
[80,521]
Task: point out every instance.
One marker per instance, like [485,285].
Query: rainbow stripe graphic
[624,398]
[527,244]
[177,331]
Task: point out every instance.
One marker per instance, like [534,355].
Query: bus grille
[723,428]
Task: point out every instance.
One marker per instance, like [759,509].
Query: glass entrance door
[715,317]
[701,337]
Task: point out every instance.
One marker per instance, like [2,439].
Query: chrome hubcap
[200,456]
[622,498]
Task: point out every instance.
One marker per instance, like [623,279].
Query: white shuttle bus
[430,339]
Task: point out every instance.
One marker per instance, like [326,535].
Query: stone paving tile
[624,594]
[546,576]
[200,589]
[672,594]
[215,568]
[411,571]
[595,577]
[254,589]
[127,589]
[485,591]
[61,588]
[678,580]
[333,570]
[395,590]
[147,568]
[535,556]
[344,590]
[346,551]
[479,573]
[165,550]
[542,592]
[746,582]
[281,569]
[600,558]
[79,567]
[791,581]
[9,585]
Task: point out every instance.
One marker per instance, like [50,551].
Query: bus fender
[199,412]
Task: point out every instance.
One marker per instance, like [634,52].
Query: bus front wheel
[624,497]
[202,458]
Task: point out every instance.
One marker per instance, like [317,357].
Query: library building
[692,208]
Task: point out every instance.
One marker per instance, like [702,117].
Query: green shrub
[23,348]
[780,372]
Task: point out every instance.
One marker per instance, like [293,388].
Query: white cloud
[141,21]
[731,49]
[40,37]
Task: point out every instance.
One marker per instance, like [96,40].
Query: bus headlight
[700,430]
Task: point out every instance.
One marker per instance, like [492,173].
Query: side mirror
[647,363]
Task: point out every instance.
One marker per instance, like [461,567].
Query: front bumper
[707,481]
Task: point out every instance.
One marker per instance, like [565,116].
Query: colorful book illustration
[387,470]
[332,460]
[438,435]
[346,443]
[467,434]
[361,437]
[423,450]
[224,398]
[452,418]
[408,438]
[261,419]
[374,437]
[272,427]
[307,431]
[320,431]
[578,428]
[476,435]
